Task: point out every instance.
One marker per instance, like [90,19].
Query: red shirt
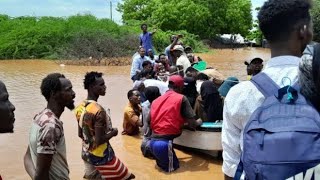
[166,118]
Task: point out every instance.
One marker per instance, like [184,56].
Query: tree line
[83,36]
[75,37]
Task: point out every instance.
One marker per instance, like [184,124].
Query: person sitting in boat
[152,93]
[254,67]
[198,107]
[131,116]
[163,63]
[137,64]
[148,78]
[168,114]
[192,58]
[153,58]
[227,85]
[211,100]
[176,70]
[190,90]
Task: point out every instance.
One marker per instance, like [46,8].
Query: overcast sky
[99,8]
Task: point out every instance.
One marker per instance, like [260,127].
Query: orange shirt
[130,120]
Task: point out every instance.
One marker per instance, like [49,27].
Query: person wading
[46,154]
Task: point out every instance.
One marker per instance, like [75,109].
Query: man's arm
[153,32]
[43,166]
[100,128]
[80,132]
[135,67]
[188,114]
[175,42]
[134,118]
[28,164]
[230,135]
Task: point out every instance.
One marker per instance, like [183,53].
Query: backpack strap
[239,171]
[265,84]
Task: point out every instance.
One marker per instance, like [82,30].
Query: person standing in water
[95,130]
[131,115]
[46,154]
[6,111]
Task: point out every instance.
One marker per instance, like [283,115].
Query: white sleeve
[231,134]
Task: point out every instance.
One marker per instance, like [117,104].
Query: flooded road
[23,78]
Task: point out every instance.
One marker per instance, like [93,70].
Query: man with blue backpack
[268,125]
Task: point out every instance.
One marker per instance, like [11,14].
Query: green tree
[140,10]
[315,12]
[206,18]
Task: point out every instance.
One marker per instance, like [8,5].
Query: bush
[76,37]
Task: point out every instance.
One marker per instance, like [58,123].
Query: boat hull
[203,140]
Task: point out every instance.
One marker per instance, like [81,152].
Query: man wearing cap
[182,59]
[254,67]
[168,115]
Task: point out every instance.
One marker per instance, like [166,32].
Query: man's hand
[198,122]
[154,31]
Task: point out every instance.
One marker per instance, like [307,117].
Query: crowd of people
[176,90]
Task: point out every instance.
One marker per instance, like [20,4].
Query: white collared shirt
[242,100]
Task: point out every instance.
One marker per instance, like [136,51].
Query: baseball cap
[177,80]
[252,60]
[178,48]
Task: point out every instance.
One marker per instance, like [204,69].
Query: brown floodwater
[23,78]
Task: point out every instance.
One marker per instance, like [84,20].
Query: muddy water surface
[23,78]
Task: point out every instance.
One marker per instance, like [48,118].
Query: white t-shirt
[163,87]
[183,61]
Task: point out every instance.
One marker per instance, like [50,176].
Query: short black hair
[141,48]
[152,93]
[51,83]
[191,69]
[146,63]
[146,72]
[162,54]
[130,93]
[90,78]
[279,18]
[143,25]
[202,76]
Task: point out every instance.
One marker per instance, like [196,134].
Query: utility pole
[111,10]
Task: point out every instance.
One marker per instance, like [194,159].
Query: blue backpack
[282,138]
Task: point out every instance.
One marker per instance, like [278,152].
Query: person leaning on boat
[168,114]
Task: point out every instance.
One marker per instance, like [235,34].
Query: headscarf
[212,101]
[227,85]
[190,90]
